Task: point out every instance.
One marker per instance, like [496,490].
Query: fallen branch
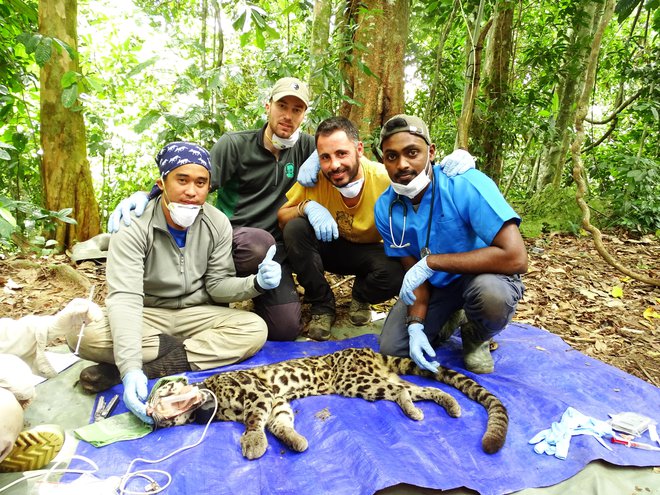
[342,281]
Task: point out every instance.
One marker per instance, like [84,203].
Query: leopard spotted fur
[259,397]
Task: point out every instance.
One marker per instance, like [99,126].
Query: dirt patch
[570,291]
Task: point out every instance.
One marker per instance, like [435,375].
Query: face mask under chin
[352,189]
[281,143]
[417,185]
[182,215]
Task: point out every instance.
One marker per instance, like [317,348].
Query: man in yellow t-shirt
[331,227]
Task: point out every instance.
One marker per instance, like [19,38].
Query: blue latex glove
[456,163]
[137,202]
[419,344]
[135,393]
[556,439]
[416,276]
[324,225]
[269,272]
[308,175]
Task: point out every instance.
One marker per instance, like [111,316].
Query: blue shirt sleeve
[481,205]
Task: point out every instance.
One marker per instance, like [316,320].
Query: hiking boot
[359,313]
[319,326]
[99,377]
[33,449]
[455,321]
[476,353]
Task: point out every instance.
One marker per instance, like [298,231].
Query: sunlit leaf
[651,313]
[69,96]
[617,291]
[140,67]
[4,155]
[7,216]
[147,121]
[69,78]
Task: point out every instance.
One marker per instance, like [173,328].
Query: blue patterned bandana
[179,153]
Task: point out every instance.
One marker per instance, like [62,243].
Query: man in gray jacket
[170,277]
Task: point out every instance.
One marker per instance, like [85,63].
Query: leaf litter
[570,291]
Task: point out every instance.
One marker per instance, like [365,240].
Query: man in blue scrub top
[458,241]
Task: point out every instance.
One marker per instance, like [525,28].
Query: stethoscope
[425,251]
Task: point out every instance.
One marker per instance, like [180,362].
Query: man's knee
[257,329]
[492,299]
[392,347]
[284,321]
[95,343]
[296,231]
[249,247]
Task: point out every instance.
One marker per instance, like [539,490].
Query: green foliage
[31,222]
[149,75]
[550,211]
[632,188]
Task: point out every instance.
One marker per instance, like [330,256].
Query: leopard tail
[498,418]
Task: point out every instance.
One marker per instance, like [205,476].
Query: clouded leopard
[259,397]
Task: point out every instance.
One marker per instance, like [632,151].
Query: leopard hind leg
[438,396]
[280,424]
[376,389]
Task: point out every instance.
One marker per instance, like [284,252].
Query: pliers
[104,409]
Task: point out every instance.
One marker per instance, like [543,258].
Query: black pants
[377,277]
[279,307]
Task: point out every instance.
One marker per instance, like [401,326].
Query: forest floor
[570,291]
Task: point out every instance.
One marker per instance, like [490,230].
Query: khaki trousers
[213,335]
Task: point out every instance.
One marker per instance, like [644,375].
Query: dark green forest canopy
[150,72]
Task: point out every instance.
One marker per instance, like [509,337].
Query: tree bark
[378,46]
[319,46]
[570,88]
[65,172]
[472,78]
[492,129]
[576,149]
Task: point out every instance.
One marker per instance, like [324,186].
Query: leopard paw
[298,443]
[254,444]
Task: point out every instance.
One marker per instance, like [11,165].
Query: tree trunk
[65,172]
[319,47]
[570,88]
[374,70]
[492,129]
[475,41]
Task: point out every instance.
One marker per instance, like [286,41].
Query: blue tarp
[358,447]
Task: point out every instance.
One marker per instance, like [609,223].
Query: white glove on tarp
[556,439]
[28,336]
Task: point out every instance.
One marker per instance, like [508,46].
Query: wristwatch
[414,319]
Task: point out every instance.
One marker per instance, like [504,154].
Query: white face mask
[183,215]
[351,189]
[415,186]
[281,143]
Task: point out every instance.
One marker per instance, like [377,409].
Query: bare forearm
[287,213]
[506,255]
[486,260]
